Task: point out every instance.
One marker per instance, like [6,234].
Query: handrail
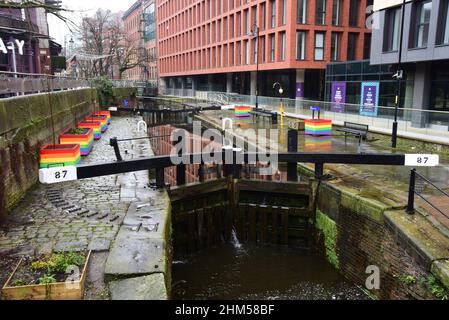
[413,192]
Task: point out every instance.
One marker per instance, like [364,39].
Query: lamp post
[65,44]
[399,75]
[255,34]
[281,92]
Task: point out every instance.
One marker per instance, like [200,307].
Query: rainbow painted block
[104,113]
[242,111]
[318,143]
[85,139]
[59,155]
[318,127]
[94,125]
[102,119]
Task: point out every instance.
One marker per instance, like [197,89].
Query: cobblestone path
[78,215]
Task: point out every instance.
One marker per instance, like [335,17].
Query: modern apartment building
[140,27]
[214,45]
[425,53]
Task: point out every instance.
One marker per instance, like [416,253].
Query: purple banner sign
[370,99]
[299,90]
[338,97]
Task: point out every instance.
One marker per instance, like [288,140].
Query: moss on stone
[328,228]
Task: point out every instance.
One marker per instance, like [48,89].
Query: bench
[266,114]
[358,130]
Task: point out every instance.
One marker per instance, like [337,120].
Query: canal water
[259,272]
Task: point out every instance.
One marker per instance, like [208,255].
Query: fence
[16,84]
[414,121]
[437,200]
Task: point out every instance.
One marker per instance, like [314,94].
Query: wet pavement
[76,215]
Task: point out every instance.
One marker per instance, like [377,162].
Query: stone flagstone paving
[78,215]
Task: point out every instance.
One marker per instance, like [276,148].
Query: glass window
[335,46]
[392,29]
[421,24]
[336,12]
[443,34]
[352,46]
[320,12]
[283,46]
[302,11]
[300,45]
[272,48]
[354,7]
[263,14]
[319,46]
[273,13]
[284,12]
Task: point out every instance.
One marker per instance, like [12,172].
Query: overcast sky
[83,7]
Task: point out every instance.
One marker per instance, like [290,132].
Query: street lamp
[399,75]
[255,34]
[281,92]
[65,44]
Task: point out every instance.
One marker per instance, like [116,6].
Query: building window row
[419,25]
[272,11]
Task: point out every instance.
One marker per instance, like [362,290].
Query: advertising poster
[370,99]
[338,97]
[300,90]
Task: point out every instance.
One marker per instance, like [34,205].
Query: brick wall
[363,239]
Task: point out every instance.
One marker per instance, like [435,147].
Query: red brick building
[208,45]
[140,27]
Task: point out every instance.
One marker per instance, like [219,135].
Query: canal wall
[361,233]
[26,125]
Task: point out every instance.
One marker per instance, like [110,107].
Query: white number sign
[57,174]
[422,160]
[112,108]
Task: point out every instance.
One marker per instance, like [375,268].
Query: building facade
[140,27]
[25,46]
[425,52]
[213,45]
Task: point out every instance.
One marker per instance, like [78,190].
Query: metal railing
[19,84]
[414,121]
[417,187]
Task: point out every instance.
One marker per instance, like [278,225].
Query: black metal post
[394,136]
[181,174]
[292,167]
[257,68]
[160,178]
[114,143]
[411,193]
[319,170]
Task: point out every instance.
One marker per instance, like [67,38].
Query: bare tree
[103,38]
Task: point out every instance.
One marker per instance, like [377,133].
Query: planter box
[94,125]
[85,140]
[59,155]
[318,127]
[242,111]
[102,119]
[54,291]
[104,113]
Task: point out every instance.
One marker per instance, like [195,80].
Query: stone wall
[367,235]
[26,126]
